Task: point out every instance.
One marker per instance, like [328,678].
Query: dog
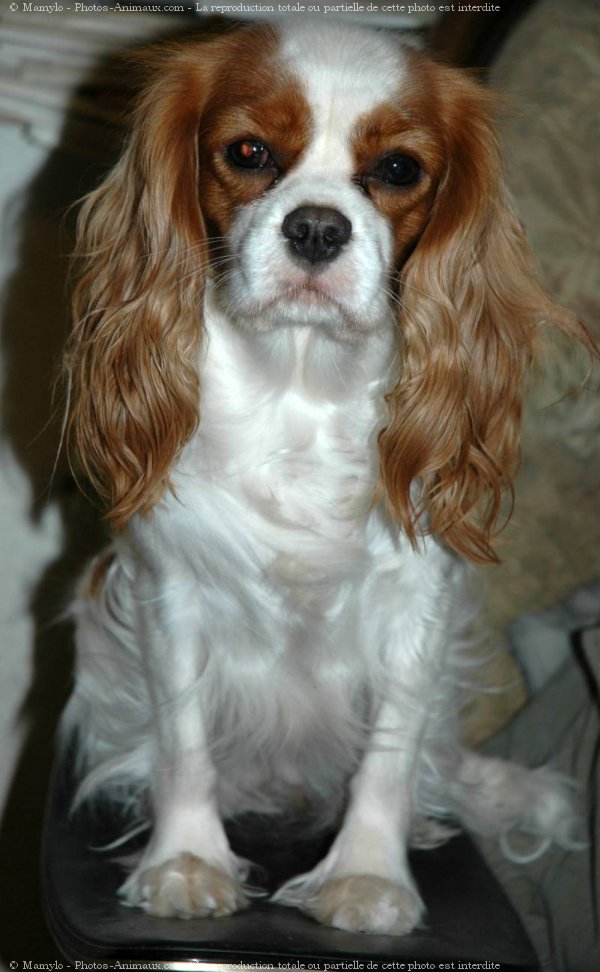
[303,323]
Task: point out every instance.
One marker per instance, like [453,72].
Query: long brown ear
[473,308]
[132,359]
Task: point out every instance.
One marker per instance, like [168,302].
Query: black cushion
[468,917]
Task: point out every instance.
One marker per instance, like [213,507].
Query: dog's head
[326,176]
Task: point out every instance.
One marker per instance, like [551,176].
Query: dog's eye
[250,153]
[397,170]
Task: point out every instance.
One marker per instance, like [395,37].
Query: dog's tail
[527,810]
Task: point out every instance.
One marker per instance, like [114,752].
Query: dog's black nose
[316,233]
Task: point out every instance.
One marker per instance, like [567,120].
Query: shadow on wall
[35,321]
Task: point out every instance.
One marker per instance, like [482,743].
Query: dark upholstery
[468,917]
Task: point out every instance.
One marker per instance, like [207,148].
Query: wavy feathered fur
[474,314]
[133,356]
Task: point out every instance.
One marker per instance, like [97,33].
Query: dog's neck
[313,361]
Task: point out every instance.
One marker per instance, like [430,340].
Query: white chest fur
[288,436]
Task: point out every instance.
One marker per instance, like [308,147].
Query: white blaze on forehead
[345,72]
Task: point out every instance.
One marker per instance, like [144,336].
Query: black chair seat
[468,919]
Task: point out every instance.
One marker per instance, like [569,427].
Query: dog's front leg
[364,882]
[187,869]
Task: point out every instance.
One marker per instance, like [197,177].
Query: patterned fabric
[552,66]
[550,70]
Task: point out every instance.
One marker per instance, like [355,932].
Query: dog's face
[323,176]
[319,182]
[319,160]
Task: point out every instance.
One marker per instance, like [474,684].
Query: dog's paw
[365,903]
[184,887]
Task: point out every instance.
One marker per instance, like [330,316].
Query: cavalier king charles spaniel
[302,328]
